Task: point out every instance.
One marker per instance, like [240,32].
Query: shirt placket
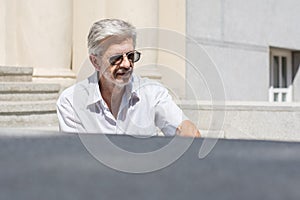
[106,111]
[121,118]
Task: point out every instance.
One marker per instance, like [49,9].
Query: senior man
[114,100]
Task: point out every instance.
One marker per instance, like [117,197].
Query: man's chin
[122,81]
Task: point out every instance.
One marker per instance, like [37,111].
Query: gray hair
[105,28]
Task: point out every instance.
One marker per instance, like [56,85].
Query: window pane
[284,73]
[283,96]
[275,96]
[275,72]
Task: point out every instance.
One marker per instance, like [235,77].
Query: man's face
[118,73]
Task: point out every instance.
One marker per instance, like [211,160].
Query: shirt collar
[131,90]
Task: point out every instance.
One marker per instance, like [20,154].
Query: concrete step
[27,107]
[25,104]
[40,131]
[11,74]
[28,114]
[28,91]
[28,121]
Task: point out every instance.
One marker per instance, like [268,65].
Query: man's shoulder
[67,91]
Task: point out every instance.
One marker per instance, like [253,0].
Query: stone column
[9,33]
[141,13]
[172,16]
[44,37]
[85,13]
[2,31]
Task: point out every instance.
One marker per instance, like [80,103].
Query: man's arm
[68,120]
[188,129]
[170,118]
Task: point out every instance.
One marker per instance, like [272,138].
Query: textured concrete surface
[29,87]
[9,73]
[247,120]
[42,96]
[26,104]
[46,121]
[27,114]
[237,35]
[24,107]
[59,167]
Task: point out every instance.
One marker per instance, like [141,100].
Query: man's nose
[125,62]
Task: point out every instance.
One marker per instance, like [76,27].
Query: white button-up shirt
[146,109]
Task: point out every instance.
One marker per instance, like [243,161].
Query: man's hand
[187,129]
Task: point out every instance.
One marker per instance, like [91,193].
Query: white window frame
[280,91]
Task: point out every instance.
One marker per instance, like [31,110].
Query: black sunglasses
[132,56]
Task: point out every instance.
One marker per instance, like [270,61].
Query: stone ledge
[13,78]
[12,70]
[238,106]
[53,73]
[10,74]
[37,120]
[247,120]
[25,108]
[21,87]
[30,96]
[30,131]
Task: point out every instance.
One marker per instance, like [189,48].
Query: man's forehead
[120,46]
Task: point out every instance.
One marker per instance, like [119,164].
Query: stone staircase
[25,104]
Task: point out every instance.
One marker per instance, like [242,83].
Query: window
[280,76]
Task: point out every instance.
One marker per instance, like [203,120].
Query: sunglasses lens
[134,56]
[137,56]
[131,56]
[115,59]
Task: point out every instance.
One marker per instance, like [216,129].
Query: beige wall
[2,31]
[141,13]
[37,33]
[172,17]
[10,33]
[51,36]
[45,29]
[84,15]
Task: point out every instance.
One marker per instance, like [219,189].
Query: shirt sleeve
[168,116]
[68,120]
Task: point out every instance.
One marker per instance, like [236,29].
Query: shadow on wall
[296,64]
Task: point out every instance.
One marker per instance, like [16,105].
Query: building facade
[244,54]
[51,36]
[255,46]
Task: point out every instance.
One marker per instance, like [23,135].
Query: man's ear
[95,62]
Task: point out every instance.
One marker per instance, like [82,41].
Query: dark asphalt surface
[59,167]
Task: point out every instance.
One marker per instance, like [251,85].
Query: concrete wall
[237,36]
[246,120]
